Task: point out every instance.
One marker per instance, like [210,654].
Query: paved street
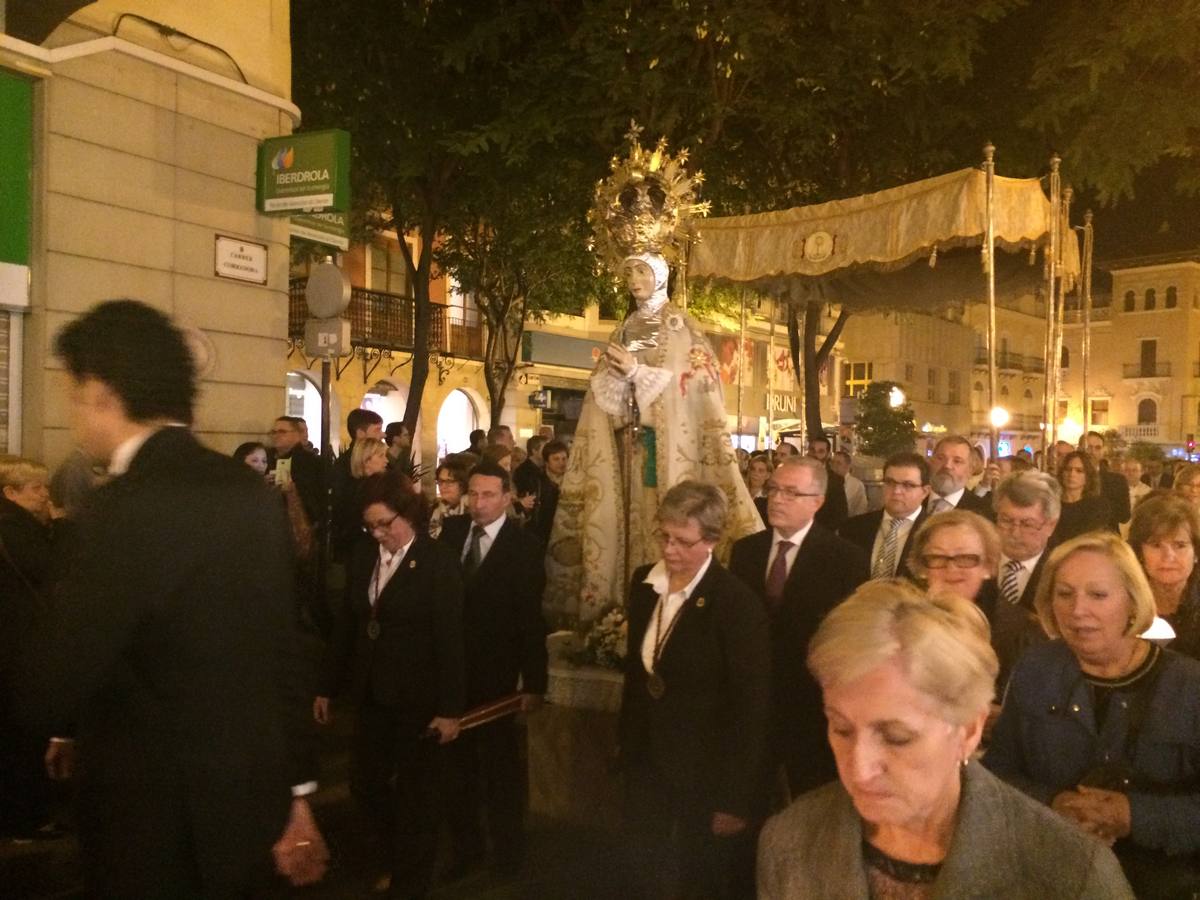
[565,862]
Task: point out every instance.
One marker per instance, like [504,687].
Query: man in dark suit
[504,578]
[949,469]
[346,524]
[1027,511]
[536,493]
[173,644]
[835,510]
[886,534]
[694,710]
[1113,487]
[801,570]
[397,656]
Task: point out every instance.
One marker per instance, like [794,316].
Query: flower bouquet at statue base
[604,642]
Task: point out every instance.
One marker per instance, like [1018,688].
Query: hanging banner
[306,172]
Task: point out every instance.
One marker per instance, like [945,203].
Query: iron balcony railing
[387,321]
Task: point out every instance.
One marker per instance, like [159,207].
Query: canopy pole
[1048,400]
[1063,227]
[741,364]
[771,375]
[1089,236]
[989,169]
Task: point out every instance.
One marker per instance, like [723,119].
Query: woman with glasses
[956,552]
[1084,509]
[1103,726]
[1165,536]
[693,722]
[452,493]
[397,656]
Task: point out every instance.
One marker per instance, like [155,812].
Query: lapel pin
[412,563]
[700,603]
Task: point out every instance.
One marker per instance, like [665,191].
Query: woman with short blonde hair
[1102,725]
[369,457]
[955,551]
[907,680]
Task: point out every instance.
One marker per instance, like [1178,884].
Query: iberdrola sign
[307,172]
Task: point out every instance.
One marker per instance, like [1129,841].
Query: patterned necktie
[777,577]
[885,565]
[474,557]
[939,505]
[1009,589]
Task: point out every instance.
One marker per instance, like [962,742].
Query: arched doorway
[389,399]
[457,418]
[302,397]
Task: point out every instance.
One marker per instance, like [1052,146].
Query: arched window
[1151,298]
[1066,358]
[1147,412]
[1172,298]
[978,386]
[1028,394]
[1130,301]
[1004,391]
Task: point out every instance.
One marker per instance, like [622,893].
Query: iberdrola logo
[283,159]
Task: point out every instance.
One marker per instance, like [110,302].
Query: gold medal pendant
[655,686]
[373,630]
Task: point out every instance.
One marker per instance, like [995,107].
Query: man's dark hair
[555,446]
[477,436]
[244,450]
[394,430]
[139,353]
[496,430]
[1094,434]
[493,470]
[909,460]
[821,439]
[396,491]
[535,443]
[454,467]
[362,418]
[299,421]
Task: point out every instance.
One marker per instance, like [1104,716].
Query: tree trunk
[422,322]
[500,356]
[813,358]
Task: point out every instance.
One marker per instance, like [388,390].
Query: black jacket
[416,663]
[1115,491]
[827,569]
[174,645]
[707,735]
[861,531]
[502,612]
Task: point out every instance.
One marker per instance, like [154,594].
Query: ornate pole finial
[1068,194]
[1055,161]
[989,152]
[1087,217]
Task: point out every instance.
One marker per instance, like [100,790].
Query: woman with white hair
[907,681]
[1102,725]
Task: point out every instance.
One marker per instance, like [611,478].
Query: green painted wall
[16,157]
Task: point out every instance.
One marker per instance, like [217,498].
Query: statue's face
[639,279]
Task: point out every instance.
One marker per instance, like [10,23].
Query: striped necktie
[1009,587]
[885,565]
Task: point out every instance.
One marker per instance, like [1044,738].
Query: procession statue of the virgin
[653,415]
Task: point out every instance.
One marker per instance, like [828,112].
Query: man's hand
[727,824]
[531,703]
[527,501]
[60,759]
[321,710]
[300,853]
[447,729]
[620,360]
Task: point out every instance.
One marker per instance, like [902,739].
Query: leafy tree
[884,429]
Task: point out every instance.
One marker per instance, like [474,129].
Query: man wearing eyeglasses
[801,570]
[1027,510]
[886,533]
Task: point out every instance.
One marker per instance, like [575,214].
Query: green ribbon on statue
[649,458]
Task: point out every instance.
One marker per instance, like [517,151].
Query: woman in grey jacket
[907,681]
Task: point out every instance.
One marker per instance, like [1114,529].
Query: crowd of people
[988,685]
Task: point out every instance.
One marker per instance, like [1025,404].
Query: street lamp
[999,417]
[896,397]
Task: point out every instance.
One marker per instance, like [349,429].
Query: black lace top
[894,879]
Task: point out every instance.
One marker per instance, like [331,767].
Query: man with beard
[949,469]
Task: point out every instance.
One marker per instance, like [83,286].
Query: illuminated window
[856,377]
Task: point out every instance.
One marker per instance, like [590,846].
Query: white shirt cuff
[303,790]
